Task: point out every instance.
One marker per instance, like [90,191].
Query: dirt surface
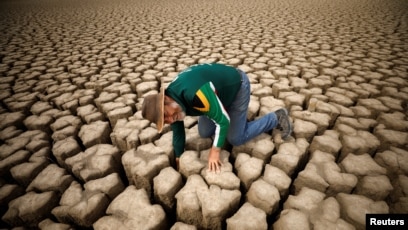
[75,152]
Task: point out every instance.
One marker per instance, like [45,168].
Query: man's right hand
[214,162]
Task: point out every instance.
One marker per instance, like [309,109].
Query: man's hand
[178,164]
[214,162]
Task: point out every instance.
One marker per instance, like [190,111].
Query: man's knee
[204,133]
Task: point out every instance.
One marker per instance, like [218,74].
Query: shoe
[283,122]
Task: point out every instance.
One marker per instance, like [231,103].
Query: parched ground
[75,152]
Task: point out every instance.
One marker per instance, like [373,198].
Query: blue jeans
[240,130]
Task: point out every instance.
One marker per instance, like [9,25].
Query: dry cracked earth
[75,152]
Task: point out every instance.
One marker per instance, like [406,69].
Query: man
[220,95]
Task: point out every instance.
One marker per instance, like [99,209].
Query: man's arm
[179,138]
[207,101]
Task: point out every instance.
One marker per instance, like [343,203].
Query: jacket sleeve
[207,102]
[179,137]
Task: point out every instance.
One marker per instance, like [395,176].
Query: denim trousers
[240,130]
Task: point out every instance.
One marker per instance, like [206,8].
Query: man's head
[160,109]
[172,111]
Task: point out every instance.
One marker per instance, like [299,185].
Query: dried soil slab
[165,142]
[31,141]
[374,105]
[394,160]
[84,207]
[283,85]
[313,95]
[340,98]
[356,123]
[191,163]
[52,178]
[14,159]
[361,111]
[129,100]
[48,224]
[394,121]
[264,196]
[362,165]
[329,142]
[361,142]
[324,82]
[390,138]
[38,140]
[298,83]
[97,132]
[41,122]
[183,226]
[11,119]
[372,180]
[203,206]
[148,135]
[374,187]
[194,141]
[97,161]
[12,146]
[399,196]
[277,178]
[305,201]
[269,104]
[165,187]
[286,218]
[56,113]
[130,210]
[119,88]
[9,192]
[326,215]
[393,102]
[25,173]
[89,113]
[304,129]
[290,156]
[125,135]
[249,169]
[324,175]
[64,149]
[111,185]
[73,211]
[260,147]
[294,100]
[118,113]
[106,97]
[86,96]
[143,164]
[21,100]
[353,208]
[262,91]
[145,87]
[322,120]
[248,217]
[9,132]
[225,178]
[30,209]
[65,126]
[63,99]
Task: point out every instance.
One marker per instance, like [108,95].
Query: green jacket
[204,89]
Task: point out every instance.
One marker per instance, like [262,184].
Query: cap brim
[160,108]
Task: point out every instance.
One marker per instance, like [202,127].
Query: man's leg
[240,130]
[206,127]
